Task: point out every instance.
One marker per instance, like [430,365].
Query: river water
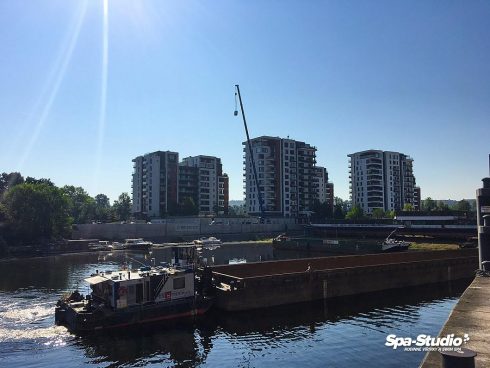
[350,332]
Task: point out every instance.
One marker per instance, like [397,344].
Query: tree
[429,204]
[102,208]
[463,206]
[37,211]
[321,210]
[355,213]
[188,207]
[442,207]
[122,207]
[390,214]
[31,180]
[82,206]
[339,208]
[408,207]
[8,181]
[378,213]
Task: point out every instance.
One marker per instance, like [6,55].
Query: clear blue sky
[345,76]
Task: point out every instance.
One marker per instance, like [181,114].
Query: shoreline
[415,247]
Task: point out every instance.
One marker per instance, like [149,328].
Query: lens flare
[103,95]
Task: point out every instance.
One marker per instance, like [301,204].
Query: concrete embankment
[183,230]
[471,316]
[266,284]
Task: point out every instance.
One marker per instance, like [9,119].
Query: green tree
[429,204]
[390,214]
[442,207]
[188,207]
[408,207]
[31,180]
[122,207]
[102,208]
[321,210]
[339,208]
[378,213]
[8,181]
[463,206]
[355,213]
[37,211]
[82,206]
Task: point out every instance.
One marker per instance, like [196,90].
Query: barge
[132,297]
[266,284]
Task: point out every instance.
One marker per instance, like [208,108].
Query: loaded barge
[133,297]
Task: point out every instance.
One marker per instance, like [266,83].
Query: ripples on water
[344,333]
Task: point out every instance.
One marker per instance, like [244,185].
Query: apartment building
[381,179]
[324,189]
[155,183]
[417,199]
[287,181]
[161,184]
[209,183]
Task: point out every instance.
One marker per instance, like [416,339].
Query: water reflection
[189,344]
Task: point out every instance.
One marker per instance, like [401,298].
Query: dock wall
[176,231]
[323,278]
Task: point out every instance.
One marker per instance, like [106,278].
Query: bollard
[464,358]
[483,219]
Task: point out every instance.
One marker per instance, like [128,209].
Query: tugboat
[133,297]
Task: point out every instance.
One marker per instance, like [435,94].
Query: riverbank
[470,316]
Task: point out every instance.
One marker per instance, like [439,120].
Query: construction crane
[252,160]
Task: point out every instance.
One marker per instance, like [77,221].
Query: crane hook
[236,106]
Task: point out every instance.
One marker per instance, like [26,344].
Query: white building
[381,179]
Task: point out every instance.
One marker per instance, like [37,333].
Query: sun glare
[103,94]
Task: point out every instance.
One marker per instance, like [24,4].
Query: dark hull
[104,319]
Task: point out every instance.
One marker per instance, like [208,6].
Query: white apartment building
[381,179]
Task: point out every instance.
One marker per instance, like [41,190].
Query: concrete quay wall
[237,293]
[176,231]
[470,316]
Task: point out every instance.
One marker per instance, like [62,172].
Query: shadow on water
[189,344]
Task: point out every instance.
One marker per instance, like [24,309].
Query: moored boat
[392,245]
[101,245]
[305,243]
[137,244]
[132,297]
[207,241]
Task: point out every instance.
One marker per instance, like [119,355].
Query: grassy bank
[434,246]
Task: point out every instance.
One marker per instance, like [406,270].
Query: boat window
[179,283]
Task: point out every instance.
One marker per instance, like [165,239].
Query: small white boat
[207,241]
[100,245]
[137,244]
[392,245]
[211,247]
[118,246]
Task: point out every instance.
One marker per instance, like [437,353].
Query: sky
[86,86]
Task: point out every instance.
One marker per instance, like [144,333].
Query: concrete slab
[471,316]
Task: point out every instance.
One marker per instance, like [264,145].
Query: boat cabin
[128,288]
